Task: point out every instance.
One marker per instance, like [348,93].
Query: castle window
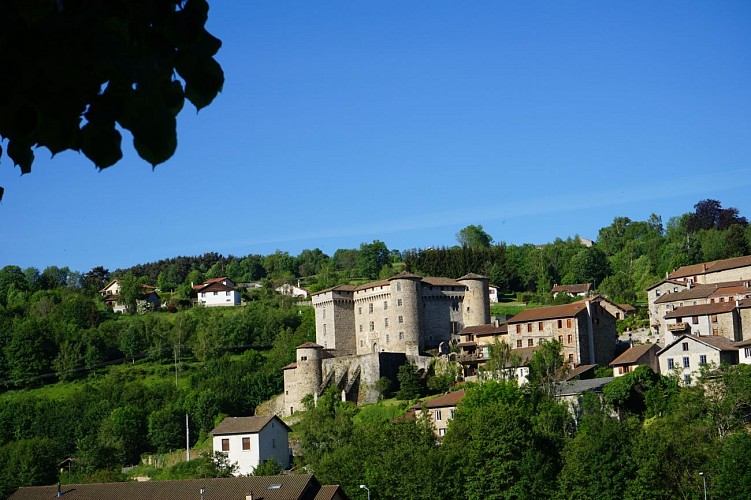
[370,307]
[385,304]
[401,335]
[387,338]
[398,287]
[570,358]
[401,319]
[399,302]
[467,308]
[359,310]
[323,314]
[715,331]
[361,343]
[360,326]
[303,358]
[324,328]
[385,322]
[372,326]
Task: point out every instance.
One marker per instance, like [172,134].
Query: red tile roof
[561,311]
[308,345]
[572,289]
[448,399]
[632,355]
[701,310]
[711,267]
[485,330]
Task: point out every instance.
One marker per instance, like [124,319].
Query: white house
[296,292]
[248,441]
[744,352]
[111,293]
[493,294]
[688,353]
[217,292]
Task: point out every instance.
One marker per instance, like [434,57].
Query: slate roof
[282,487]
[573,387]
[632,355]
[561,311]
[309,345]
[244,425]
[701,310]
[472,276]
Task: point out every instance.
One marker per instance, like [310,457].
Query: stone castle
[367,332]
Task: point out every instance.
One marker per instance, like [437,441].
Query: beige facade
[686,355]
[718,271]
[440,411]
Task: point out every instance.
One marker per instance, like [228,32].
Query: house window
[560,323]
[686,362]
[246,443]
[385,304]
[568,322]
[518,343]
[225,444]
[539,326]
[685,346]
[715,331]
[437,415]
[687,379]
[400,319]
[570,358]
[530,342]
[451,413]
[671,364]
[702,359]
[529,327]
[401,335]
[694,320]
[216,293]
[713,318]
[399,302]
[385,322]
[569,339]
[518,328]
[657,293]
[226,293]
[560,339]
[747,352]
[370,308]
[442,431]
[372,326]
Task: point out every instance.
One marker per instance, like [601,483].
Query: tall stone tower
[307,376]
[476,303]
[406,295]
[335,319]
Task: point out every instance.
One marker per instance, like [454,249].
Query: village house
[718,271]
[585,329]
[282,487]
[578,290]
[643,354]
[440,410]
[296,292]
[111,294]
[686,355]
[572,392]
[249,441]
[714,319]
[744,352]
[217,292]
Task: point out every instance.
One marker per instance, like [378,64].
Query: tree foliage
[119,65]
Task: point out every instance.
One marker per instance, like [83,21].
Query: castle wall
[373,313]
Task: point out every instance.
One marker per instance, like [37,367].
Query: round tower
[476,303]
[309,369]
[406,295]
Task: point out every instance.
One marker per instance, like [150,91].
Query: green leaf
[100,142]
[204,83]
[21,154]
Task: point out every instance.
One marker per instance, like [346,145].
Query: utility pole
[187,438]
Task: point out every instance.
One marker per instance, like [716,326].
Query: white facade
[688,353]
[248,446]
[217,292]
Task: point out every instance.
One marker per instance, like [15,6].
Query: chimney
[249,497]
[59,490]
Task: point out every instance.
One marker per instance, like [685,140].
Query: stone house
[713,319]
[572,392]
[718,271]
[248,441]
[643,354]
[685,356]
[585,329]
[578,290]
[366,332]
[217,292]
[440,410]
[293,291]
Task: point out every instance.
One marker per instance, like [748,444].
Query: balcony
[678,327]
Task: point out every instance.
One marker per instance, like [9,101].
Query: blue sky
[343,122]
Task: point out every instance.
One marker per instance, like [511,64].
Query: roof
[405,275]
[448,399]
[701,310]
[573,387]
[632,355]
[472,276]
[337,288]
[731,289]
[214,287]
[282,487]
[441,281]
[289,366]
[711,267]
[718,343]
[525,354]
[561,311]
[578,288]
[329,492]
[309,345]
[744,303]
[695,292]
[627,307]
[579,371]
[244,425]
[485,330]
[372,284]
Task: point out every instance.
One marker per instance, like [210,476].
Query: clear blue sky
[342,122]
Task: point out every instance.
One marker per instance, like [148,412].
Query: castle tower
[335,319]
[406,295]
[304,378]
[476,303]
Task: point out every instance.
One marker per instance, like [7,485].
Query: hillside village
[364,343]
